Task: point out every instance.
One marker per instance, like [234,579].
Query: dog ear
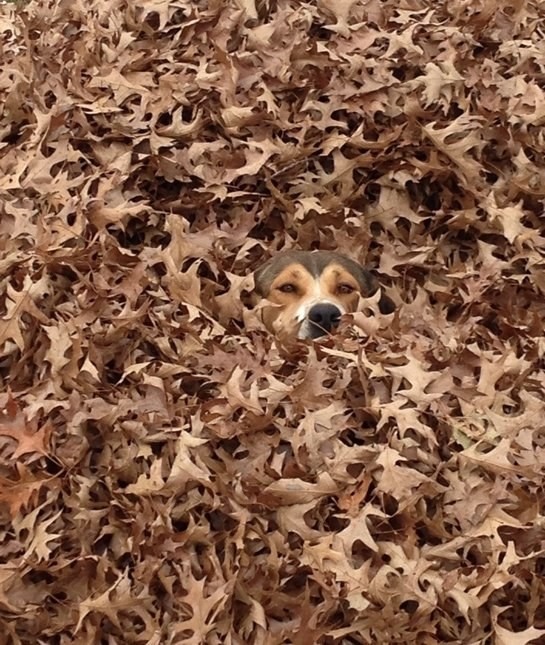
[249,294]
[263,278]
[370,285]
[257,286]
[386,304]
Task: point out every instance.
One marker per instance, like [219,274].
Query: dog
[307,292]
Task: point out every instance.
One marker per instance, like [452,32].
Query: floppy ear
[249,294]
[386,304]
[370,285]
[263,278]
[257,285]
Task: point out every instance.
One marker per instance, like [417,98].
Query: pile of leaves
[169,472]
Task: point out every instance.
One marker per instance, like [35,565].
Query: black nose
[323,318]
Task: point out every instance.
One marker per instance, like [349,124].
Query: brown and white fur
[307,292]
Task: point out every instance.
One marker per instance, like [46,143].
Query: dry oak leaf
[18,493]
[351,499]
[466,599]
[296,491]
[501,460]
[9,576]
[508,217]
[229,304]
[232,391]
[39,544]
[508,637]
[419,376]
[398,481]
[148,483]
[119,597]
[441,80]
[60,343]
[292,518]
[456,141]
[31,530]
[30,439]
[358,529]
[248,6]
[18,303]
[185,467]
[330,556]
[494,367]
[406,420]
[204,608]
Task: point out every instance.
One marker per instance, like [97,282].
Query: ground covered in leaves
[169,474]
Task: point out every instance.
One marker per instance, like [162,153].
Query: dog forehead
[312,261]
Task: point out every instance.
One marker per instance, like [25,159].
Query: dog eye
[345,288]
[287,288]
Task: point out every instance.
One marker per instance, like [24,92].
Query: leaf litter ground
[170,474]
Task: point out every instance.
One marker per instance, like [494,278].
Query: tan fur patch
[282,318]
[335,282]
[294,286]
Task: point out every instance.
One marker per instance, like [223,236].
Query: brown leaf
[29,438]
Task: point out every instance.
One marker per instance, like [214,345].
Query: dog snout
[323,318]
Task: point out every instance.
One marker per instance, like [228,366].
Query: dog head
[309,291]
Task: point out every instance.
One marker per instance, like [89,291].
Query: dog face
[309,291]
